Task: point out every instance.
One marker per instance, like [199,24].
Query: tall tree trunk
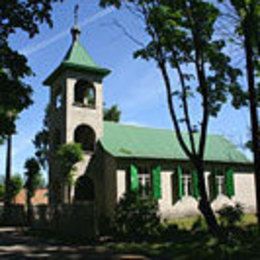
[204,203]
[8,173]
[69,193]
[248,28]
[29,208]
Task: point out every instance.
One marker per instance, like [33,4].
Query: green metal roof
[77,55]
[77,59]
[141,142]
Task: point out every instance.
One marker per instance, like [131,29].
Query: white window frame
[187,181]
[144,179]
[220,183]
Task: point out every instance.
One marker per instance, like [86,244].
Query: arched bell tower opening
[84,189]
[84,94]
[85,136]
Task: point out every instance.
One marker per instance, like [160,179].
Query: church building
[120,157]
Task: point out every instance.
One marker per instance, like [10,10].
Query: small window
[220,182]
[84,94]
[187,185]
[144,178]
[58,98]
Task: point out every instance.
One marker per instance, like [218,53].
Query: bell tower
[76,107]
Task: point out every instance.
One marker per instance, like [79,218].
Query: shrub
[229,216]
[136,219]
[199,225]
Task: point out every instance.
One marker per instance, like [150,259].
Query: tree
[182,44]
[112,114]
[246,17]
[26,16]
[8,172]
[2,189]
[32,173]
[67,156]
[15,95]
[41,140]
[136,219]
[16,185]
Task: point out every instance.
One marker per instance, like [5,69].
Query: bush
[229,216]
[199,225]
[136,219]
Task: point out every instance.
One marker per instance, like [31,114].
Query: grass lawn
[182,242]
[187,244]
[187,223]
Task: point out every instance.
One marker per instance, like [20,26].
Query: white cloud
[32,49]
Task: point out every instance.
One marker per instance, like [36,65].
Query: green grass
[187,223]
[181,242]
[249,219]
[184,243]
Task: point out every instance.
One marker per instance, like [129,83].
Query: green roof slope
[77,59]
[142,142]
[77,55]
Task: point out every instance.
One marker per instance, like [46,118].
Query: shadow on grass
[243,243]
[174,243]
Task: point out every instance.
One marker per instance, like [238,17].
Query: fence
[74,220]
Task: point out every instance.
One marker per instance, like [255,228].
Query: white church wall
[245,191]
[184,207]
[120,184]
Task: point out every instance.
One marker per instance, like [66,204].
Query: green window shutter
[195,184]
[229,181]
[134,182]
[180,186]
[156,180]
[213,189]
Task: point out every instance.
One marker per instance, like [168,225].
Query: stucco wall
[245,191]
[244,194]
[68,117]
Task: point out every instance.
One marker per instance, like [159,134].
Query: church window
[58,98]
[221,182]
[145,181]
[85,136]
[187,185]
[184,183]
[84,94]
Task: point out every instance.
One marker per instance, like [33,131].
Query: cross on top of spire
[75,31]
[76,14]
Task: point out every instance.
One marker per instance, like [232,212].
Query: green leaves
[16,184]
[68,155]
[32,173]
[41,140]
[112,114]
[15,95]
[136,219]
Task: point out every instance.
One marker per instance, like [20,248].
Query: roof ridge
[158,128]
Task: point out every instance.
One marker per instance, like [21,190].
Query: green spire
[77,59]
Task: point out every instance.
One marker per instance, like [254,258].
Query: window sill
[84,105]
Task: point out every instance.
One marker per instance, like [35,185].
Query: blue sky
[134,85]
